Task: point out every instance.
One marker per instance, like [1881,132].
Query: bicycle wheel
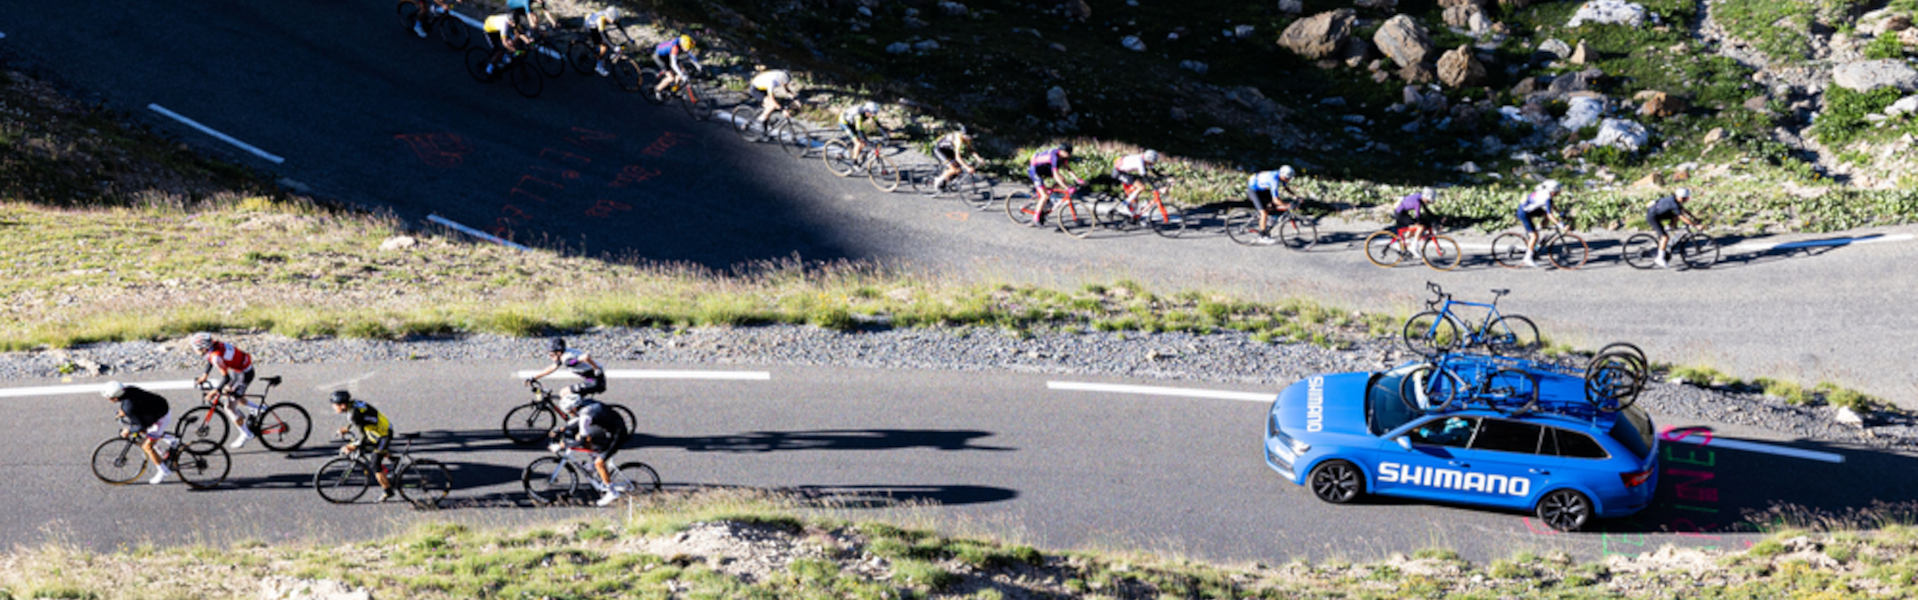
[1628,349]
[649,86]
[791,138]
[202,464]
[203,422]
[1510,391]
[583,55]
[409,12]
[698,102]
[1297,233]
[625,72]
[548,57]
[1641,251]
[1380,249]
[626,414]
[1567,251]
[1242,225]
[1074,216]
[452,32]
[974,190]
[425,483]
[1440,252]
[1110,213]
[119,461]
[637,477]
[882,172]
[342,480]
[476,58]
[528,423]
[1699,251]
[1165,220]
[526,79]
[1432,332]
[1020,210]
[1427,389]
[839,158]
[548,479]
[1512,335]
[747,127]
[284,426]
[1613,381]
[1508,250]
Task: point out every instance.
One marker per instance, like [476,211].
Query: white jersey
[1130,164]
[768,80]
[1536,201]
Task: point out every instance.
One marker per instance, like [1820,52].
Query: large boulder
[1571,83]
[1459,68]
[1056,99]
[1556,47]
[1660,105]
[1404,41]
[1622,134]
[1320,35]
[1609,12]
[1867,75]
[1582,111]
[1884,20]
[1468,16]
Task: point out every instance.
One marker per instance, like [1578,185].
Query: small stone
[1056,46]
[898,48]
[926,46]
[1193,66]
[1468,167]
[864,12]
[1846,416]
[1557,48]
[1243,31]
[954,9]
[1580,54]
[401,242]
[1292,7]
[1056,99]
[1905,105]
[1133,43]
[1213,131]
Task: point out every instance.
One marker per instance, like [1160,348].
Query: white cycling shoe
[241,441]
[608,498]
[159,477]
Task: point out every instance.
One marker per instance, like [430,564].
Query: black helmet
[342,397]
[556,345]
[1066,146]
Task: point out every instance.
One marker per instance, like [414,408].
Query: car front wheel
[1565,510]
[1336,481]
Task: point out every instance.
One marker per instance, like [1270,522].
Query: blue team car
[1349,434]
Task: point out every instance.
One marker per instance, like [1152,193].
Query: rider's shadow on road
[825,439]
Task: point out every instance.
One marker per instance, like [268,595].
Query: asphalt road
[999,452]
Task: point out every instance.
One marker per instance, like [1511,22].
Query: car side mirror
[1404,442]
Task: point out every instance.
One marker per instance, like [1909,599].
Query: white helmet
[1152,156]
[1683,193]
[869,106]
[1285,173]
[113,389]
[200,341]
[1549,186]
[569,401]
[1428,194]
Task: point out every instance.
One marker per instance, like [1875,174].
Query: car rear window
[1571,444]
[1507,436]
[1383,409]
[1633,430]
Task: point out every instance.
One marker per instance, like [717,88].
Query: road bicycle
[1021,209]
[1292,230]
[1438,330]
[283,426]
[1563,249]
[556,478]
[1147,209]
[779,127]
[515,67]
[882,171]
[1389,247]
[439,23]
[422,481]
[973,188]
[1448,382]
[529,423]
[621,69]
[694,97]
[1693,248]
[200,463]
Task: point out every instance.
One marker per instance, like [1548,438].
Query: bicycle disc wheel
[452,32]
[528,423]
[1512,335]
[583,55]
[883,173]
[285,426]
[1074,217]
[1440,253]
[637,477]
[838,157]
[202,464]
[625,73]
[789,137]
[1242,225]
[1425,389]
[1508,250]
[526,79]
[649,86]
[1431,332]
[1641,251]
[119,461]
[1297,233]
[548,58]
[425,483]
[548,479]
[1510,391]
[1166,220]
[1567,251]
[1698,250]
[342,480]
[476,58]
[1379,249]
[203,423]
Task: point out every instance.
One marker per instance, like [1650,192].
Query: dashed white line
[1151,390]
[664,374]
[270,157]
[475,232]
[92,388]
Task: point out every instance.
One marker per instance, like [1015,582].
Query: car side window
[1455,432]
[1572,444]
[1507,436]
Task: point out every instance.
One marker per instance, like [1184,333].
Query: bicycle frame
[213,402]
[1444,304]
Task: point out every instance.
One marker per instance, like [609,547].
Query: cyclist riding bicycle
[1669,208]
[371,434]
[952,150]
[596,26]
[506,35]
[1415,211]
[1054,164]
[595,428]
[853,118]
[667,55]
[592,377]
[1535,204]
[1133,168]
[766,88]
[433,8]
[235,373]
[1263,188]
[523,9]
[145,414]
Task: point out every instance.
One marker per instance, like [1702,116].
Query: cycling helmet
[1066,146]
[556,345]
[341,397]
[1151,156]
[685,42]
[869,107]
[962,129]
[1549,186]
[200,341]
[1683,193]
[569,401]
[1428,194]
[1286,173]
[113,389]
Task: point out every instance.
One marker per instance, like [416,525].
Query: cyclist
[1533,205]
[952,150]
[1414,211]
[1669,208]
[434,8]
[766,87]
[505,35]
[666,55]
[592,377]
[1055,164]
[596,25]
[1263,188]
[145,414]
[851,120]
[523,9]
[1130,170]
[595,428]
[235,371]
[371,434]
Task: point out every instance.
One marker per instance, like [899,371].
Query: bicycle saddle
[1501,292]
[274,380]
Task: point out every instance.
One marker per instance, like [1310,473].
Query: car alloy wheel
[1565,510]
[1336,482]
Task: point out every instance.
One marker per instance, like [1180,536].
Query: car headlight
[1299,447]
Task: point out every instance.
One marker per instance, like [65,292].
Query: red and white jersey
[228,358]
[1130,164]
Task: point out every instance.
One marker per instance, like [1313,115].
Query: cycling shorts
[1125,179]
[1525,218]
[1260,198]
[153,431]
[1039,173]
[1403,219]
[1657,220]
[237,386]
[590,386]
[946,154]
[851,130]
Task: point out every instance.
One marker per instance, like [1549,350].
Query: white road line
[1713,442]
[92,388]
[346,383]
[221,136]
[475,232]
[663,374]
[1874,239]
[1150,390]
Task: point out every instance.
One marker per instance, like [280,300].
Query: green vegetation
[1844,122]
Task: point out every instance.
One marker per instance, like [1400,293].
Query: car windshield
[1634,431]
[1383,409]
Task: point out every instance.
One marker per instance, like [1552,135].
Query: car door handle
[1539,471]
[1462,465]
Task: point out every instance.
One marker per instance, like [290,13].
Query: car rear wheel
[1336,481]
[1565,510]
